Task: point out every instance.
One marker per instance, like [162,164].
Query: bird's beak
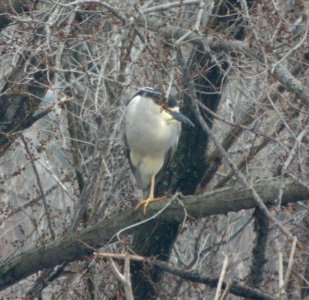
[181,118]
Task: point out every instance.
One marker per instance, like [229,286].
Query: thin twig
[249,157]
[289,160]
[223,271]
[242,178]
[115,271]
[146,220]
[172,74]
[200,13]
[59,181]
[36,173]
[124,279]
[118,256]
[280,271]
[167,6]
[127,285]
[227,290]
[304,38]
[290,264]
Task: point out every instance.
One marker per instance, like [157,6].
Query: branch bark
[77,245]
[261,227]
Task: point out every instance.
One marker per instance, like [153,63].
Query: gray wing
[134,170]
[169,153]
[167,160]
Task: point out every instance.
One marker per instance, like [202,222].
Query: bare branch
[115,271]
[280,271]
[283,282]
[199,16]
[37,176]
[261,227]
[239,174]
[167,6]
[118,256]
[234,286]
[282,73]
[125,278]
[227,290]
[237,288]
[221,278]
[76,245]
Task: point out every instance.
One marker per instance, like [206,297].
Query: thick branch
[237,288]
[74,246]
[293,84]
[261,227]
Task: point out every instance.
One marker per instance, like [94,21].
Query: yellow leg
[150,198]
[152,186]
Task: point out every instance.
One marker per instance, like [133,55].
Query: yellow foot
[145,203]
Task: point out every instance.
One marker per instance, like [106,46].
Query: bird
[151,133]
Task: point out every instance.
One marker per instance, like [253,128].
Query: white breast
[148,135]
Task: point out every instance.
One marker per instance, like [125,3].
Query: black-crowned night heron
[152,130]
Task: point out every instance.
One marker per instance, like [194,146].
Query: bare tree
[235,218]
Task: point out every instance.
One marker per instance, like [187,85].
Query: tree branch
[234,287]
[125,278]
[13,7]
[166,6]
[175,33]
[74,246]
[261,227]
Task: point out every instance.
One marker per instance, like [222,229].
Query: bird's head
[171,114]
[168,107]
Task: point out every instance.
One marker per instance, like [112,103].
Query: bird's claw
[146,202]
